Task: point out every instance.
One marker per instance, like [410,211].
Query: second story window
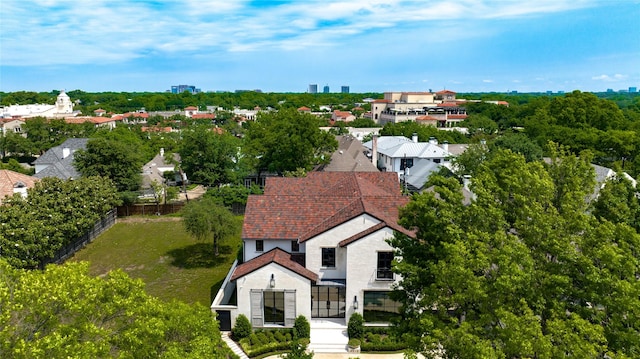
[329,257]
[384,266]
[295,246]
[259,245]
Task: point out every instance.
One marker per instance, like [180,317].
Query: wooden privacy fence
[163,209]
[149,209]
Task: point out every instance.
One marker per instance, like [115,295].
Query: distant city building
[344,89]
[313,88]
[325,89]
[182,88]
[609,90]
[440,109]
[633,89]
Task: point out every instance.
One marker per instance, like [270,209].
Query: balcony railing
[384,274]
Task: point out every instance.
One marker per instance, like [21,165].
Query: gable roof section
[362,234]
[349,157]
[301,208]
[58,165]
[277,256]
[9,179]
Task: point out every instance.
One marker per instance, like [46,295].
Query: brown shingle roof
[301,208]
[277,256]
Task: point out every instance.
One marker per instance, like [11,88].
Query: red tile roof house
[315,246]
[13,182]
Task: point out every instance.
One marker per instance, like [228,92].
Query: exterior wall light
[355,302]
[272,282]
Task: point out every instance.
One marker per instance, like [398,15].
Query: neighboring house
[190,111]
[11,125]
[351,156]
[344,116]
[13,182]
[413,161]
[316,246]
[58,161]
[154,170]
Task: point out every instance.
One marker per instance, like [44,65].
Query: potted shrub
[354,345]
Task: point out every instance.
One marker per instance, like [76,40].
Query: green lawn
[171,262]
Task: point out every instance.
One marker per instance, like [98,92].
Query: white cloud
[607,78]
[487,81]
[46,32]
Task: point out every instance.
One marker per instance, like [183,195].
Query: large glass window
[273,307]
[328,302]
[384,266]
[328,257]
[379,308]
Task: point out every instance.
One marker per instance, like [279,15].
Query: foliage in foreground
[523,271]
[63,312]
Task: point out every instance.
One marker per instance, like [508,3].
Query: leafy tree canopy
[209,157]
[287,140]
[62,312]
[522,271]
[55,213]
[408,128]
[117,160]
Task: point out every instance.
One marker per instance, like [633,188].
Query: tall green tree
[523,271]
[62,312]
[286,141]
[116,160]
[618,202]
[209,157]
[206,219]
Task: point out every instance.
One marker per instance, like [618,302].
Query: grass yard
[171,263]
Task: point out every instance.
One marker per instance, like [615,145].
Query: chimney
[433,141]
[374,150]
[466,181]
[445,146]
[161,152]
[66,151]
[414,137]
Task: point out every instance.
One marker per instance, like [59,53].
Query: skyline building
[344,89]
[325,89]
[313,88]
[177,89]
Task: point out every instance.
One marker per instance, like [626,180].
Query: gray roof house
[351,156]
[154,170]
[58,161]
[413,161]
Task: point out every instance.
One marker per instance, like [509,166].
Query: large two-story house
[316,246]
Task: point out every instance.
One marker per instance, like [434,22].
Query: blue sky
[283,46]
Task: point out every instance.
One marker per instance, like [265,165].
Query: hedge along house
[316,246]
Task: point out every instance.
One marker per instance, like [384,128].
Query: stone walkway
[233,346]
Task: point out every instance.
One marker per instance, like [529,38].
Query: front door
[328,302]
